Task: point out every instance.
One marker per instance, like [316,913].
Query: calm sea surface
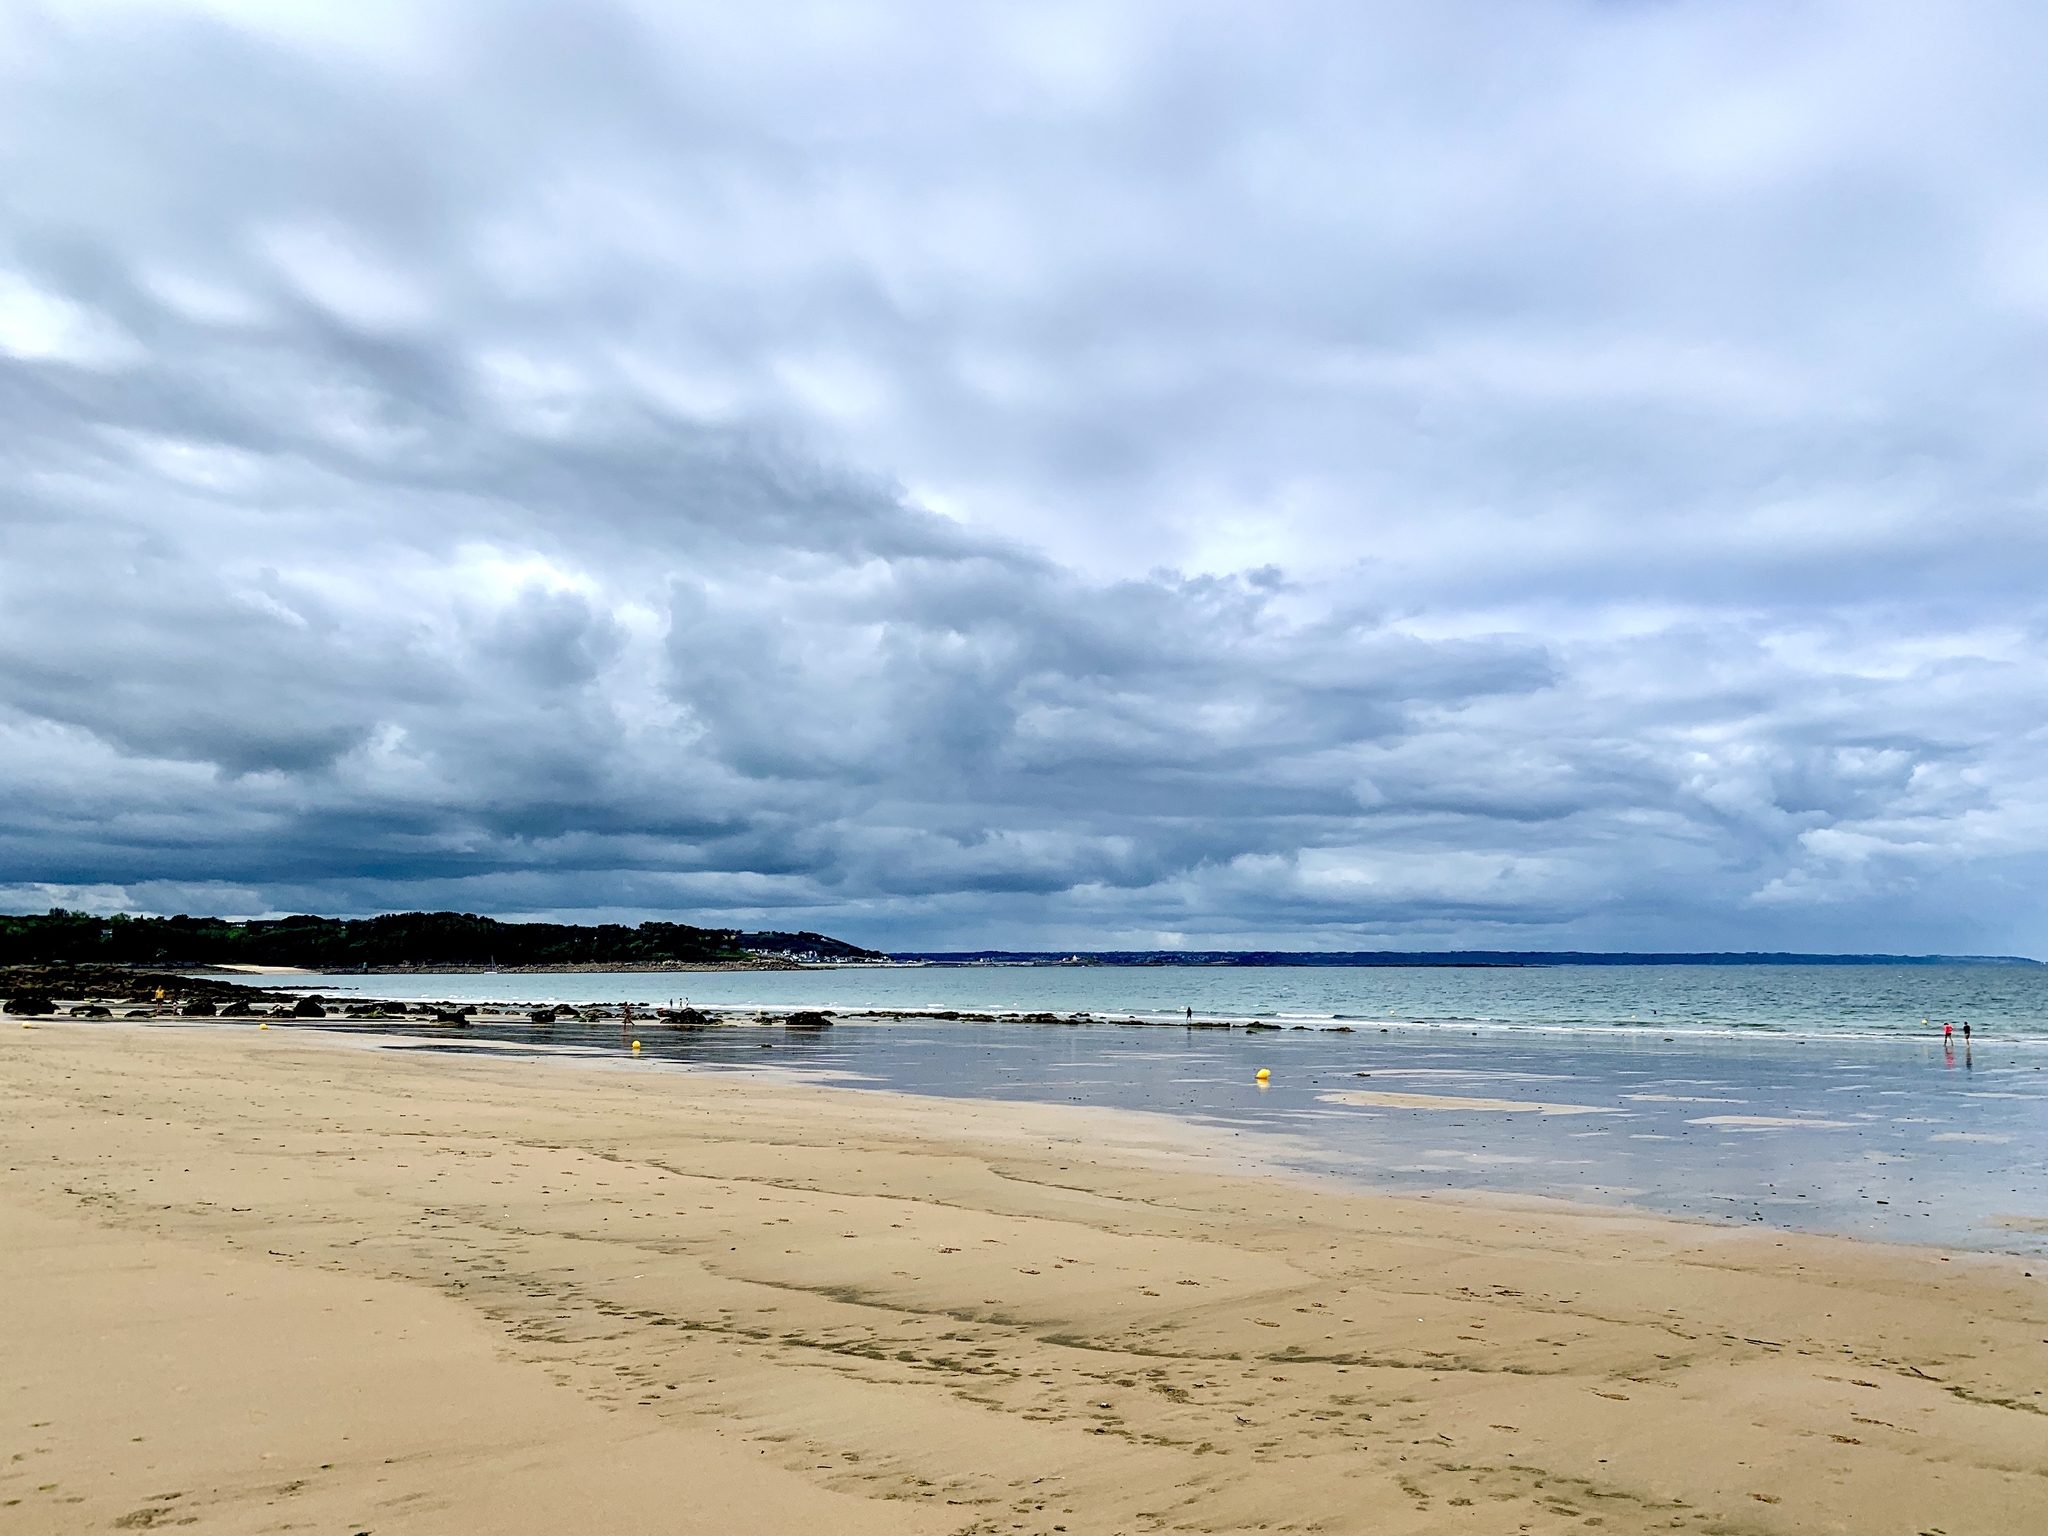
[1816,999]
[1803,1097]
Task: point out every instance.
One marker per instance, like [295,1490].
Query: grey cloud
[985,475]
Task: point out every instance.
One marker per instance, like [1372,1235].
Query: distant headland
[402,941]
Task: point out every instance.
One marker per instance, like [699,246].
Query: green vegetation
[401,938]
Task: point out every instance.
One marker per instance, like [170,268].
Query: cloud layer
[1107,475]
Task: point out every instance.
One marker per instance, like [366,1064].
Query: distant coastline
[459,943]
[1474,958]
[400,943]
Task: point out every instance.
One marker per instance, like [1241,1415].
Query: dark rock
[544,1015]
[30,1004]
[197,1008]
[810,1021]
[112,981]
[308,1008]
[91,1011]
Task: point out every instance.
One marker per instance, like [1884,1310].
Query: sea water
[1897,1000]
[1807,1098]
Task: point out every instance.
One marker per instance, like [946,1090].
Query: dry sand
[271,1280]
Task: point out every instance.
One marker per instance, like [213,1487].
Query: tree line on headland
[396,939]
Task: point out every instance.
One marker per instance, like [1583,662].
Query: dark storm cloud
[1031,474]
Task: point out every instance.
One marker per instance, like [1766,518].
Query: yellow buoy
[1264,1073]
[263,1026]
[636,1045]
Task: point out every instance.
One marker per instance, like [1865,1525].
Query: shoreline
[1793,1168]
[1218,997]
[1880,1139]
[2002,1018]
[1049,1316]
[752,1012]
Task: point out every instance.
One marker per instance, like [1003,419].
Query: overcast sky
[1560,474]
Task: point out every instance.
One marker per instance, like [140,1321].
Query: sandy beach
[261,1280]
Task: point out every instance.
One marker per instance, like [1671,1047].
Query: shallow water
[1898,1139]
[1772,999]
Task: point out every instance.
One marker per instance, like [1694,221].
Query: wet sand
[270,1280]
